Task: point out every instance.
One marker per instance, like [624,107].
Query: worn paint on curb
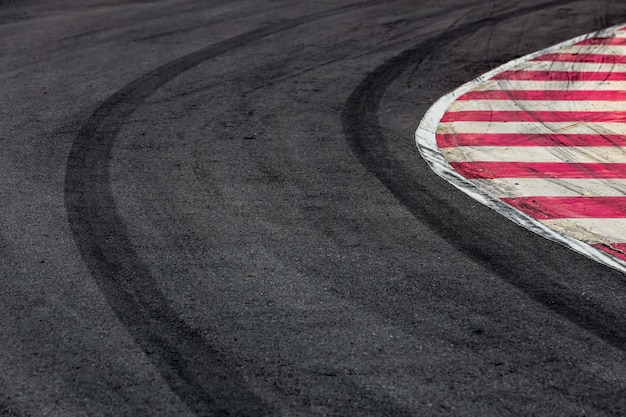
[542,140]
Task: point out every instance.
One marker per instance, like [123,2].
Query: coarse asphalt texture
[217,208]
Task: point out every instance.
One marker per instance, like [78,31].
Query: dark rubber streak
[516,255]
[200,375]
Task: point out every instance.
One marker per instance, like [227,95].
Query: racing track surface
[217,208]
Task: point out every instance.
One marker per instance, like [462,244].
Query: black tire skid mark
[514,254]
[198,373]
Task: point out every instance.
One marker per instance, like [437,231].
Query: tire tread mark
[197,373]
[509,260]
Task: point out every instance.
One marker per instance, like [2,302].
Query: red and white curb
[542,140]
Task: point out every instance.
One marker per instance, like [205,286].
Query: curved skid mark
[200,375]
[524,266]
[195,371]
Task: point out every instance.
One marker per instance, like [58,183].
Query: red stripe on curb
[546,208]
[603,41]
[619,246]
[560,76]
[537,116]
[450,140]
[616,249]
[490,170]
[573,95]
[593,58]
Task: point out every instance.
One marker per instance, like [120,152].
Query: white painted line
[556,66]
[538,105]
[552,85]
[539,187]
[591,230]
[535,128]
[594,49]
[574,154]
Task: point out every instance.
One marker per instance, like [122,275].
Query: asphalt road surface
[216,208]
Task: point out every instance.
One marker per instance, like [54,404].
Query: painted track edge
[425,138]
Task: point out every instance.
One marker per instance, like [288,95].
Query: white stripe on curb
[594,49]
[547,128]
[553,66]
[604,230]
[573,154]
[551,85]
[539,187]
[538,105]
